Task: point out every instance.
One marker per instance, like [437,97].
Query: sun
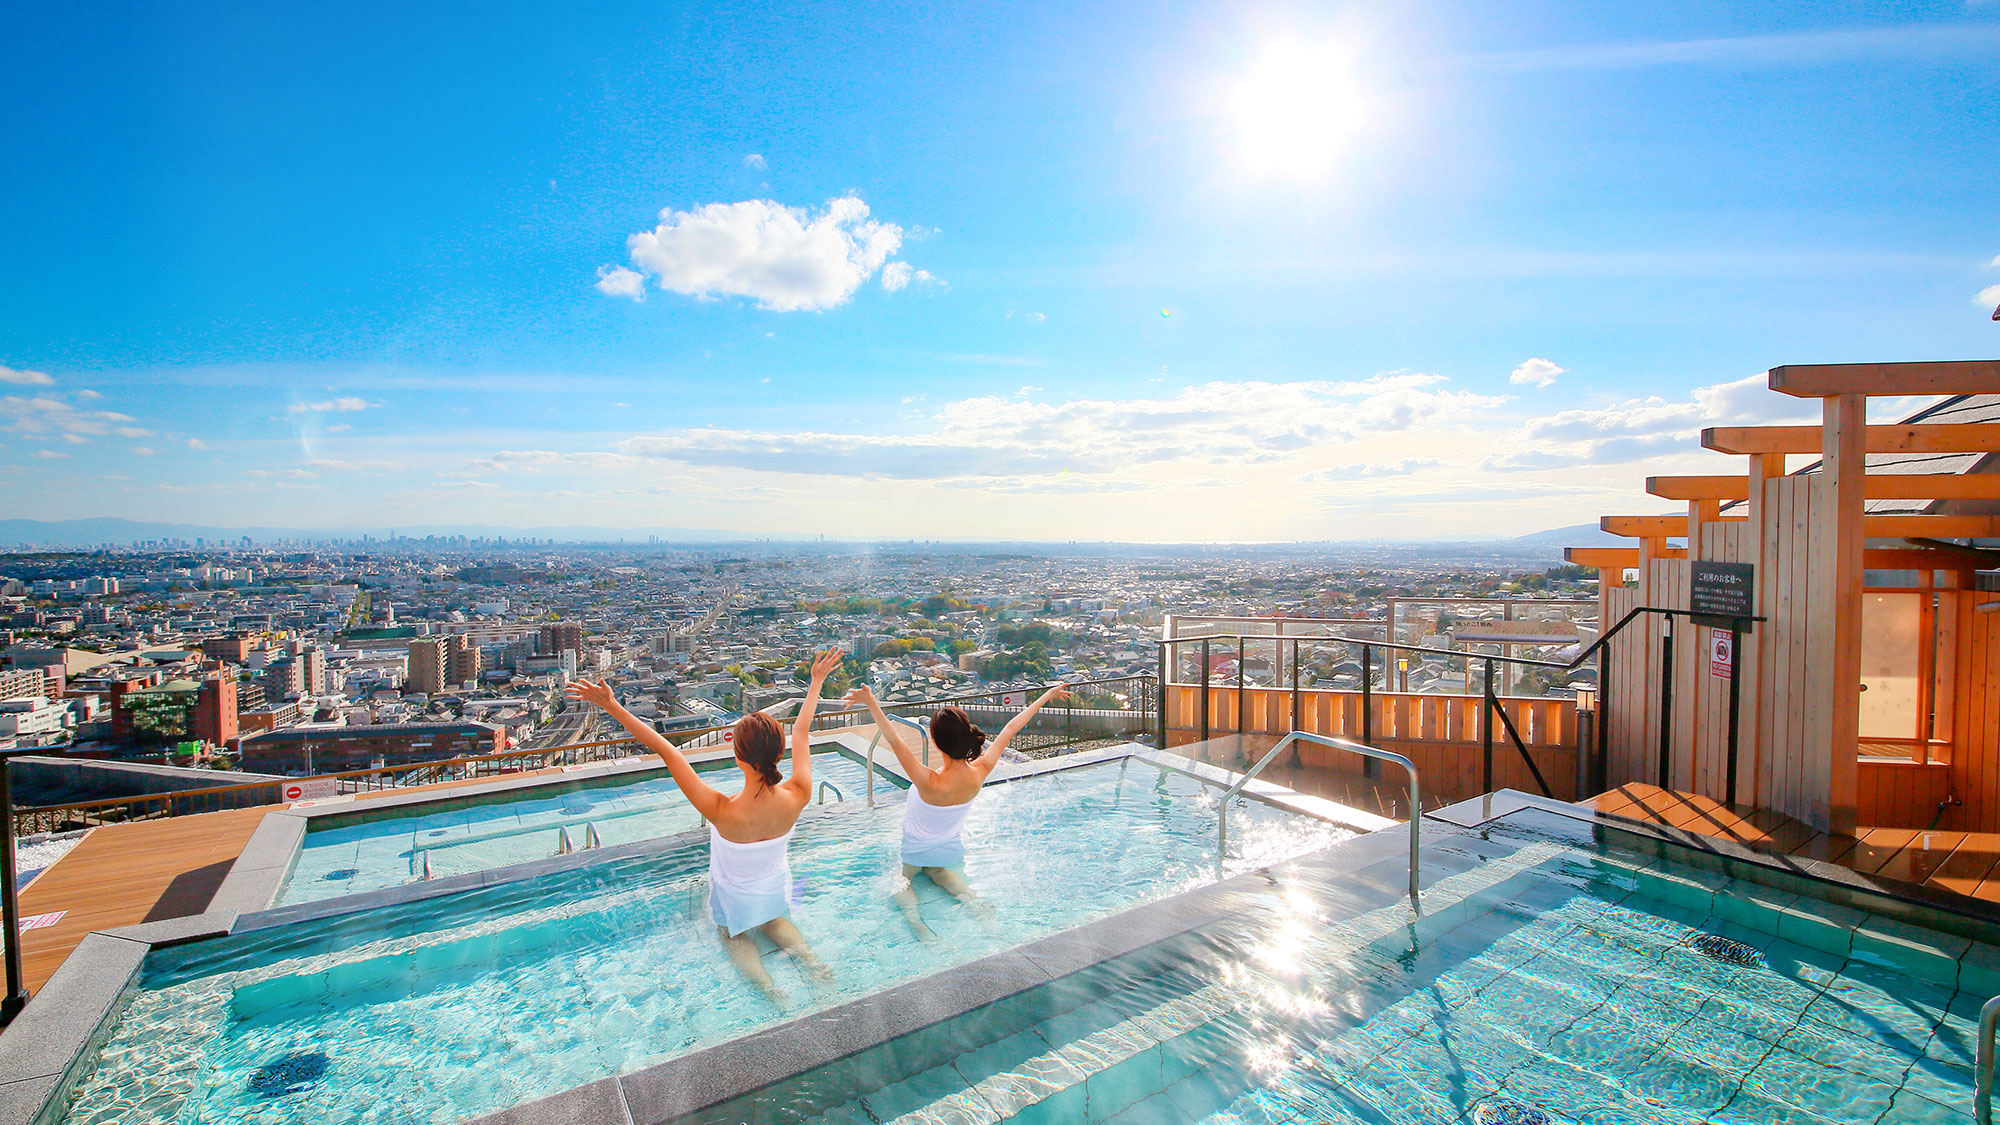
[1297,109]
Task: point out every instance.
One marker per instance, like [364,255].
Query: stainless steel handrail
[1982,1101]
[1416,793]
[924,734]
[837,794]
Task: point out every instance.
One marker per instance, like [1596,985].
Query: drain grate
[1726,949]
[289,1075]
[1505,1112]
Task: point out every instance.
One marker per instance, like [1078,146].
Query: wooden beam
[1931,527]
[1885,486]
[1956,437]
[1836,604]
[1923,526]
[1954,377]
[1603,558]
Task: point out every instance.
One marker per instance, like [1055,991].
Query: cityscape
[281,660]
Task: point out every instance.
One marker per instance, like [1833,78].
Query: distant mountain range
[85,533]
[105,529]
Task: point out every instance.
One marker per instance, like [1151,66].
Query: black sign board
[1721,593]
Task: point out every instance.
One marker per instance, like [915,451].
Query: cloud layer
[784,258]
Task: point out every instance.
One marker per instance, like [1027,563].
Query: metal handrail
[924,734]
[826,785]
[1982,1103]
[1416,790]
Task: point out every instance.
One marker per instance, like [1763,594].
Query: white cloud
[335,466]
[50,455]
[26,378]
[1643,427]
[347,405]
[1222,423]
[896,275]
[1988,297]
[617,281]
[784,258]
[1536,372]
[754,161]
[339,428]
[48,418]
[144,451]
[88,395]
[1372,470]
[300,474]
[1994,264]
[196,443]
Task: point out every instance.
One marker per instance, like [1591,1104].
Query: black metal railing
[1591,767]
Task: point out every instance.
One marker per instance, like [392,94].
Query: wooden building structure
[1869,694]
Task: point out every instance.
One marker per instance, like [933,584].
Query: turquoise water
[440,1010]
[497,832]
[1548,983]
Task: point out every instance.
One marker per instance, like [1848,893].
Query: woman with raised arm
[940,797]
[749,832]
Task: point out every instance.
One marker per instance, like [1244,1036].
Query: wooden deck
[124,874]
[1966,863]
[145,871]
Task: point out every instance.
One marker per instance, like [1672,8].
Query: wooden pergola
[1812,541]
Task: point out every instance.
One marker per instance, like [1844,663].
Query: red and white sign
[1721,654]
[37,921]
[310,789]
[1013,699]
[729,736]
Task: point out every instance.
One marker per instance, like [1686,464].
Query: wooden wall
[1781,763]
[1785,762]
[1975,714]
[1440,733]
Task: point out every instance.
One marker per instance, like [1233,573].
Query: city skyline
[994,274]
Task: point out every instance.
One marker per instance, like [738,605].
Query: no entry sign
[311,788]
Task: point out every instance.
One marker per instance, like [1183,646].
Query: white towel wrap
[931,832]
[748,884]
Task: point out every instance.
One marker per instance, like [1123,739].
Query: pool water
[1549,985]
[482,834]
[451,1007]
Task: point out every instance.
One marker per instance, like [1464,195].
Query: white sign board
[1013,699]
[1721,654]
[310,789]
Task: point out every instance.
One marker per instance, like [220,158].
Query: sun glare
[1296,110]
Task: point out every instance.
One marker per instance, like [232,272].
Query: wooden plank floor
[144,871]
[124,874]
[1966,863]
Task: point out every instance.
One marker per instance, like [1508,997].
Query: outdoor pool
[449,1007]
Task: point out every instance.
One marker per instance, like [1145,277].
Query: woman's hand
[824,664]
[863,695]
[596,694]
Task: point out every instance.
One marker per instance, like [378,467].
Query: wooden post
[1843,460]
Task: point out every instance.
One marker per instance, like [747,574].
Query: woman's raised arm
[705,798]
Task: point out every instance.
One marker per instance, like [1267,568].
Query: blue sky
[1066,271]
